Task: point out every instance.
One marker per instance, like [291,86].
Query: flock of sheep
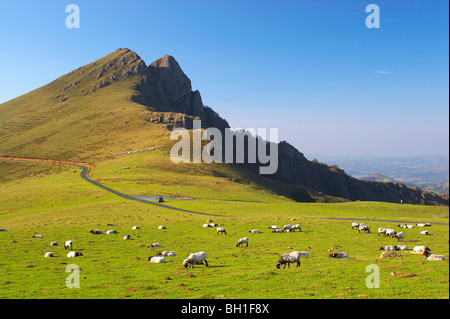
[392,233]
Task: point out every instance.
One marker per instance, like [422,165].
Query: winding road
[86,167]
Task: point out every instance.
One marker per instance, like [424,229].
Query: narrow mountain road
[85,169]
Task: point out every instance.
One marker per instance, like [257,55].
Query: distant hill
[120,103]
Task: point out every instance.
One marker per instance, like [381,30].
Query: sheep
[287,258]
[296,226]
[207,225]
[157,260]
[37,236]
[425,232]
[401,247]
[110,225]
[388,248]
[287,227]
[127,237]
[214,225]
[273,227]
[423,224]
[221,230]
[364,228]
[74,254]
[135,227]
[195,258]
[390,232]
[53,243]
[162,227]
[381,231]
[421,249]
[166,253]
[405,226]
[278,230]
[355,225]
[338,255]
[112,231]
[68,244]
[399,236]
[255,231]
[242,241]
[154,245]
[96,232]
[49,254]
[433,256]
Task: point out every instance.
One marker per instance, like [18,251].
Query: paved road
[83,175]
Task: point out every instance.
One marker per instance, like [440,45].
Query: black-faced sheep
[195,258]
[242,241]
[221,230]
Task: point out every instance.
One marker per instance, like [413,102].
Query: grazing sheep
[53,243]
[388,248]
[278,230]
[135,227]
[49,254]
[433,256]
[37,236]
[381,231]
[96,232]
[167,253]
[355,225]
[74,254]
[242,241]
[287,258]
[425,232]
[112,231]
[390,232]
[338,255]
[255,231]
[154,245]
[364,228]
[157,260]
[127,237]
[296,226]
[287,227]
[273,227]
[195,258]
[221,230]
[68,244]
[162,227]
[399,236]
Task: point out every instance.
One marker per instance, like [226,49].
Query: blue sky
[310,68]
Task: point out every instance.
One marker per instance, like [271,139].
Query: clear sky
[310,68]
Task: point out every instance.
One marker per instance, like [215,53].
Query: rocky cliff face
[167,92]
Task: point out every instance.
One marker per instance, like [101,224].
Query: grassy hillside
[62,206]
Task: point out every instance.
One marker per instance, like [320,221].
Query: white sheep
[53,243]
[154,245]
[207,225]
[242,241]
[388,248]
[68,244]
[355,225]
[399,236]
[423,224]
[338,255]
[425,232]
[221,230]
[255,231]
[293,257]
[135,227]
[127,237]
[390,232]
[195,258]
[162,227]
[381,231]
[296,226]
[213,225]
[74,254]
[49,254]
[38,236]
[273,227]
[433,256]
[421,248]
[112,231]
[157,260]
[364,228]
[278,230]
[401,247]
[167,253]
[287,227]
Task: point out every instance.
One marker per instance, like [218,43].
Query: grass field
[54,201]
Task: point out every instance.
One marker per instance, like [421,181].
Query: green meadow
[52,200]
